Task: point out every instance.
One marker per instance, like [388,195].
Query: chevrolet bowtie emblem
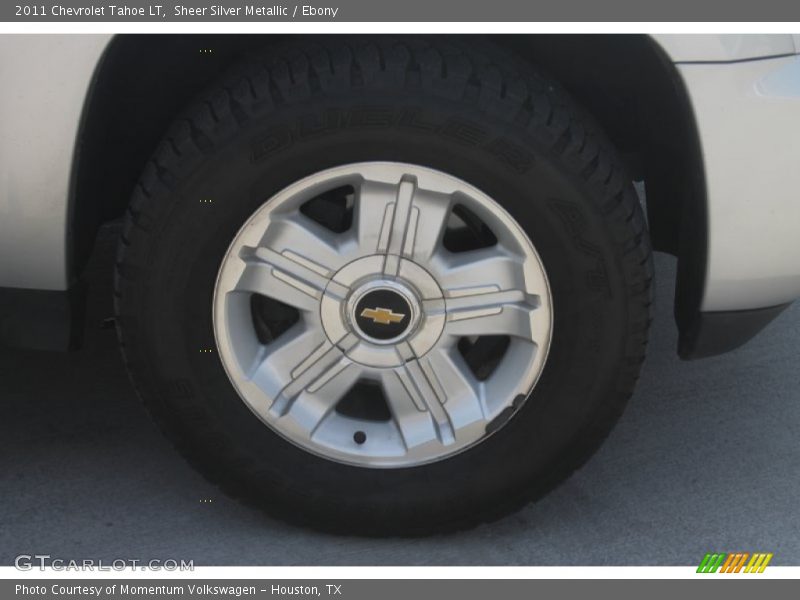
[384,316]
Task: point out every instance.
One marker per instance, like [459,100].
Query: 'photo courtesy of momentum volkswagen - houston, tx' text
[371,299]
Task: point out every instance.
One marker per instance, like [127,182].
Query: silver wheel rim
[392,253]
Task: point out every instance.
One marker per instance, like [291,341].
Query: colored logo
[384,316]
[737,562]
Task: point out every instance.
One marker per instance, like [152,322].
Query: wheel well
[625,81]
[629,84]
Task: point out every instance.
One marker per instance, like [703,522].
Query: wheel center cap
[383,312]
[382,322]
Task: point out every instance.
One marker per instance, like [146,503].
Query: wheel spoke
[285,276]
[458,388]
[272,368]
[481,271]
[490,292]
[373,214]
[309,408]
[400,220]
[306,363]
[408,409]
[439,386]
[494,313]
[307,242]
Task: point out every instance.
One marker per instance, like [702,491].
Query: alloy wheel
[382,314]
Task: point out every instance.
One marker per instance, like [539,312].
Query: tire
[473,113]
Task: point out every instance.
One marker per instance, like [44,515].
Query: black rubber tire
[474,112]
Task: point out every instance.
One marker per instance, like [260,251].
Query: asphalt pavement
[706,458]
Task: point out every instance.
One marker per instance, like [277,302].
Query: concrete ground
[706,458]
